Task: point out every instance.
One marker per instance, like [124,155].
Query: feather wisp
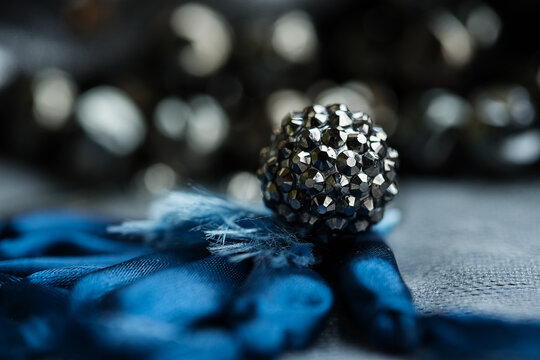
[230,228]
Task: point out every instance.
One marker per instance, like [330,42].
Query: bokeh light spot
[244,186]
[53,93]
[294,37]
[209,125]
[111,119]
[209,37]
[171,117]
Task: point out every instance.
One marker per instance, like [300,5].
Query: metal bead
[270,168]
[347,205]
[362,122]
[297,199]
[349,162]
[311,180]
[334,137]
[271,192]
[340,118]
[323,157]
[300,162]
[379,186]
[309,138]
[315,115]
[359,226]
[329,170]
[357,142]
[336,223]
[323,204]
[285,148]
[359,185]
[284,180]
[292,123]
[371,163]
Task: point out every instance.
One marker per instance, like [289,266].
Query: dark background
[133,96]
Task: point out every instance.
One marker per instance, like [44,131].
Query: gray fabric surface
[471,246]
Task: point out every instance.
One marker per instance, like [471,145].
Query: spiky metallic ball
[328,169]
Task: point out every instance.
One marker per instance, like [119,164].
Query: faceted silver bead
[284,180]
[311,179]
[379,186]
[297,199]
[270,167]
[347,205]
[292,123]
[357,142]
[309,138]
[371,163]
[336,223]
[362,122]
[334,137]
[329,170]
[360,185]
[340,118]
[349,162]
[323,204]
[300,162]
[285,148]
[315,115]
[323,157]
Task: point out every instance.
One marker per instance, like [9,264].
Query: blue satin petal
[62,277]
[201,345]
[477,337]
[102,297]
[90,290]
[60,220]
[27,266]
[49,242]
[281,309]
[378,298]
[186,294]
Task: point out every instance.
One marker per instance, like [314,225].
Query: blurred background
[109,103]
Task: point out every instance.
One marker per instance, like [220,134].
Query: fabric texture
[70,289]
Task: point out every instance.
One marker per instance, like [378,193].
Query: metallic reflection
[457,46]
[111,119]
[53,93]
[294,37]
[209,125]
[244,186]
[208,35]
[171,117]
[282,102]
[159,179]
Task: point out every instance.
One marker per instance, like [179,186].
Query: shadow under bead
[329,170]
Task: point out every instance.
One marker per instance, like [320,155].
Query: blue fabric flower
[213,279]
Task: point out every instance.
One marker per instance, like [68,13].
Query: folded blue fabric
[70,289]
